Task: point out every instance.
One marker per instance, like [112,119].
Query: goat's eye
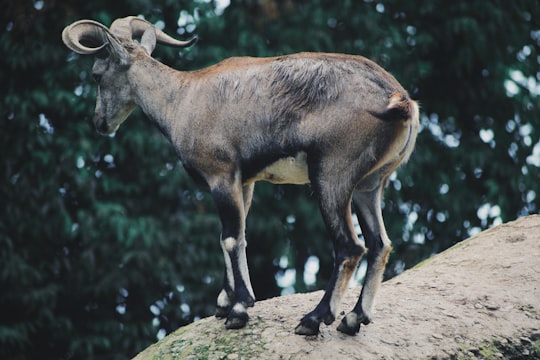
[97,78]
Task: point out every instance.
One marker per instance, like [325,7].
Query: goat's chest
[287,170]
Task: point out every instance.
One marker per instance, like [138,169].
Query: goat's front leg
[237,294]
[226,296]
[368,209]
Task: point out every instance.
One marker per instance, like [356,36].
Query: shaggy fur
[339,122]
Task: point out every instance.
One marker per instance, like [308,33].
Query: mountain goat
[339,122]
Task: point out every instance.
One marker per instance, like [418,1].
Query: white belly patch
[289,170]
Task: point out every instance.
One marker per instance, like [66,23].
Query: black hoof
[221,312]
[236,322]
[237,317]
[308,326]
[350,324]
[347,328]
[329,319]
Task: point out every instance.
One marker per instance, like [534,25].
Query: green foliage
[104,242]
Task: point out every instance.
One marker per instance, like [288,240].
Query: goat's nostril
[101,126]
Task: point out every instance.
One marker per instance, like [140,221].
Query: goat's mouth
[106,125]
[104,128]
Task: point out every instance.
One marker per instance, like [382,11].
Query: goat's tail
[400,107]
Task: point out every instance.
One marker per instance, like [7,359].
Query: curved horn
[133,26]
[85,31]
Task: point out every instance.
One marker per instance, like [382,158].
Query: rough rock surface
[479,299]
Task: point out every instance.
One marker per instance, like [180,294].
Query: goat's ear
[148,40]
[118,52]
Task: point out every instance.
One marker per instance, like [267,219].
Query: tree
[105,242]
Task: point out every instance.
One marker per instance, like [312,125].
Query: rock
[446,310]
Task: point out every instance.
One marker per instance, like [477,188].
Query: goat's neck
[159,91]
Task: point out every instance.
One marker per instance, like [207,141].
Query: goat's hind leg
[367,205]
[335,206]
[237,294]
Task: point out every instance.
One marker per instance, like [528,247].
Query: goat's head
[114,55]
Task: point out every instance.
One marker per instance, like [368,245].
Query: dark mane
[304,85]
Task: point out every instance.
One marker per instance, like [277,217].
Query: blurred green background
[105,243]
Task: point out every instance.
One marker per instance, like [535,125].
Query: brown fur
[337,121]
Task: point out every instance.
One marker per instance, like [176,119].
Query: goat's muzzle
[102,127]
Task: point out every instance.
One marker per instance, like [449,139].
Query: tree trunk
[478,299]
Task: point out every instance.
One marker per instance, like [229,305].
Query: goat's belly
[289,170]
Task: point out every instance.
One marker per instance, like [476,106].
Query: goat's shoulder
[232,64]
